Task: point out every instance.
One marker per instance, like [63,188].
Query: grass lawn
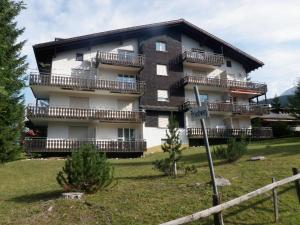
[29,192]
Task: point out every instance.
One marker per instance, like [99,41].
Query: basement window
[79,56]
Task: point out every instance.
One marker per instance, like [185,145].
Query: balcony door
[126,78]
[126,55]
[126,134]
[127,81]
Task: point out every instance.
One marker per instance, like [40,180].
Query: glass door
[126,134]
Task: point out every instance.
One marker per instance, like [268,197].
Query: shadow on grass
[149,177]
[271,150]
[199,157]
[133,163]
[44,196]
[256,206]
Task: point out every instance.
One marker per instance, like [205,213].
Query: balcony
[250,109]
[126,61]
[203,58]
[69,145]
[41,84]
[257,133]
[234,86]
[112,116]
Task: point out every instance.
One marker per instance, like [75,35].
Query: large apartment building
[117,89]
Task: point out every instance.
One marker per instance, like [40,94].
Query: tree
[12,69]
[276,104]
[232,151]
[172,146]
[87,170]
[294,102]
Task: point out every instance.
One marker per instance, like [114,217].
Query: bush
[281,129]
[232,151]
[166,166]
[87,170]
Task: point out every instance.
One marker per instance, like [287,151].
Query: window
[200,50]
[79,56]
[161,70]
[163,121]
[228,63]
[126,78]
[125,54]
[203,98]
[126,134]
[160,46]
[162,95]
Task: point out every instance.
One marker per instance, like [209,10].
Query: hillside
[29,193]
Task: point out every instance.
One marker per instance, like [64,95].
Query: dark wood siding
[175,70]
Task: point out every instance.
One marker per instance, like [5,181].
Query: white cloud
[266,29]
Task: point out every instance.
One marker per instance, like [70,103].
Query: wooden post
[297,182]
[226,205]
[275,202]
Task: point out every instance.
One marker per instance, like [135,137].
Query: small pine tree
[173,146]
[87,170]
[232,151]
[294,102]
[12,69]
[276,104]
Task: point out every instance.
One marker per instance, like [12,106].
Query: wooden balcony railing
[120,59]
[263,132]
[208,58]
[86,83]
[68,145]
[251,109]
[85,114]
[224,83]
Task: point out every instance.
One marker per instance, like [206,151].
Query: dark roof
[279,116]
[250,63]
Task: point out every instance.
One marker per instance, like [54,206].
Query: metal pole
[216,199]
[275,203]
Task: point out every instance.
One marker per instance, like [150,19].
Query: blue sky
[268,30]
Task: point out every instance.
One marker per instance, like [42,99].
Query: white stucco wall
[59,100]
[212,96]
[110,131]
[235,72]
[188,43]
[109,74]
[214,121]
[64,62]
[154,136]
[96,102]
[244,122]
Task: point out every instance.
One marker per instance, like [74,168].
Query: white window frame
[161,94]
[159,46]
[131,133]
[160,71]
[163,119]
